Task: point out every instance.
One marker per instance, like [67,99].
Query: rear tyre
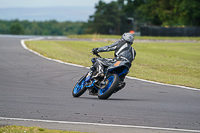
[112,82]
[80,87]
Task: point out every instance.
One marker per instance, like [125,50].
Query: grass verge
[22,129]
[171,63]
[99,36]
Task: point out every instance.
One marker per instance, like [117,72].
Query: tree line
[51,27]
[124,15]
[115,18]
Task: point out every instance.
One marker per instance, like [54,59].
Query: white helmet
[128,37]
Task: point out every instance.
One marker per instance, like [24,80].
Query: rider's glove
[95,51]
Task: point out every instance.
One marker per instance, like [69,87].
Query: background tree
[101,21]
[171,12]
[16,29]
[106,19]
[51,27]
[112,18]
[188,12]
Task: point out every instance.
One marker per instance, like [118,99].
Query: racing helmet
[128,37]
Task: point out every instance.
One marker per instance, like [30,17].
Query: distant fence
[171,31]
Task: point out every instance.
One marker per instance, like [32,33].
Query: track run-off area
[37,91]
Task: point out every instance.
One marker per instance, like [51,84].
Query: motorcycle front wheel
[106,91]
[80,87]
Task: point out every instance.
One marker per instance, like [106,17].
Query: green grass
[172,63]
[22,129]
[98,36]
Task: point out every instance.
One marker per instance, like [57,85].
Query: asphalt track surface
[34,88]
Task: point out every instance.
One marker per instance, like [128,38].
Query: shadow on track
[117,99]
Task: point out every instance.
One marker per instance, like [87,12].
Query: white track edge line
[59,61]
[100,124]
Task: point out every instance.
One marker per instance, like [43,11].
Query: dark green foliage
[171,12]
[40,28]
[16,29]
[112,18]
[107,19]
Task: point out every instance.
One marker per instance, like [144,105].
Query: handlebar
[96,54]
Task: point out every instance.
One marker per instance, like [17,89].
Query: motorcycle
[103,87]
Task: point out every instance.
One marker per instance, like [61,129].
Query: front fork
[89,76]
[89,81]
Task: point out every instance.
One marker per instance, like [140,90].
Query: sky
[42,10]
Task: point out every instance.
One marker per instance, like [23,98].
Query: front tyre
[80,87]
[112,82]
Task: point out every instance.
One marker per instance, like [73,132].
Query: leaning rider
[123,52]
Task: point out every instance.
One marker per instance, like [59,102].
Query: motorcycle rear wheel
[112,83]
[80,87]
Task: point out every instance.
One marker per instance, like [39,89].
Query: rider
[123,52]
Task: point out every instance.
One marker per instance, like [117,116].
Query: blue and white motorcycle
[103,87]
